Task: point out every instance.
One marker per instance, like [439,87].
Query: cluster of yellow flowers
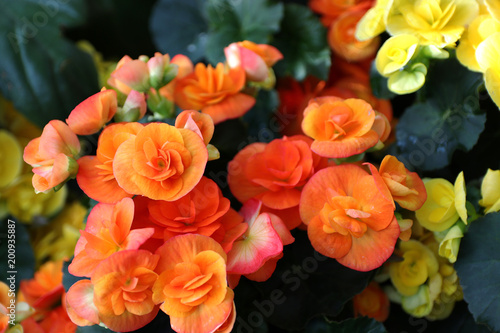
[424,29]
[54,226]
[425,282]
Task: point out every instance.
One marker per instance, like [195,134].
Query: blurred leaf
[258,118]
[353,325]
[302,40]
[379,84]
[44,75]
[24,258]
[478,267]
[304,285]
[427,137]
[179,27]
[237,20]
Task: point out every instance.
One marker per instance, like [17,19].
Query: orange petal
[332,245]
[380,183]
[205,318]
[97,185]
[93,113]
[346,147]
[204,123]
[80,304]
[233,106]
[315,193]
[373,249]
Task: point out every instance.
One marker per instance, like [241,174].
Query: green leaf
[258,118]
[478,267]
[237,20]
[45,75]
[302,40]
[427,136]
[20,252]
[353,325]
[304,285]
[179,27]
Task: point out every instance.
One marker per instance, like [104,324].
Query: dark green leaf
[301,288]
[379,84]
[353,325]
[258,118]
[302,40]
[178,27]
[23,264]
[478,267]
[427,137]
[44,75]
[237,20]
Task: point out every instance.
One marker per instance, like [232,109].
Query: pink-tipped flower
[161,70]
[93,113]
[130,75]
[52,156]
[260,243]
[135,108]
[256,59]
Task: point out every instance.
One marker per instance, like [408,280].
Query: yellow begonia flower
[419,263]
[408,80]
[490,191]
[57,240]
[449,246]
[372,23]
[460,197]
[11,158]
[488,57]
[481,28]
[420,304]
[24,204]
[493,8]
[434,22]
[438,213]
[395,54]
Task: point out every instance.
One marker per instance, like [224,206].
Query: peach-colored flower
[93,113]
[191,286]
[52,156]
[348,218]
[340,128]
[161,162]
[214,91]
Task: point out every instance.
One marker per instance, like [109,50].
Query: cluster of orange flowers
[163,237]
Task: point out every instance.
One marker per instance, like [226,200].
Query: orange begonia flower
[275,172]
[198,212]
[396,183]
[95,175]
[348,218]
[191,286]
[255,59]
[123,292]
[332,9]
[214,91]
[117,84]
[340,128]
[343,42]
[198,122]
[162,162]
[52,155]
[372,302]
[93,113]
[107,231]
[45,290]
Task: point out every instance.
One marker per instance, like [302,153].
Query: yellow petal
[460,197]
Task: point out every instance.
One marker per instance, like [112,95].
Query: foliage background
[44,73]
